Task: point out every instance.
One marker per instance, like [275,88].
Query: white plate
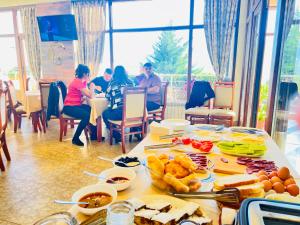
[176,124]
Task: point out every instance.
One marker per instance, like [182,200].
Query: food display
[280,181]
[95,200]
[253,166]
[180,173]
[227,165]
[248,185]
[242,149]
[200,160]
[127,162]
[165,210]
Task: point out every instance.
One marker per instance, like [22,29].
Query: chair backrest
[44,89]
[224,92]
[164,93]
[134,105]
[12,95]
[3,110]
[27,84]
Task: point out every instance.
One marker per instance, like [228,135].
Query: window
[158,31]
[105,61]
[7,26]
[154,13]
[202,68]
[166,50]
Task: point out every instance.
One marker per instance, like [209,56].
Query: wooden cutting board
[230,167]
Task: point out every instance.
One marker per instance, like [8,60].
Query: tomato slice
[186,141]
[196,144]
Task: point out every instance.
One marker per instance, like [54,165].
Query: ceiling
[13,3]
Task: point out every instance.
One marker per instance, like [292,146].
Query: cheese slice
[158,129]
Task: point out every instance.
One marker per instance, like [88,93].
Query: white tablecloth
[98,105]
[32,101]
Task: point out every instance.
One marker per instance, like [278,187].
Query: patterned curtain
[219,20]
[32,40]
[90,21]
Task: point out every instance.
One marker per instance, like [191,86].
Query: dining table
[142,185]
[33,108]
[98,104]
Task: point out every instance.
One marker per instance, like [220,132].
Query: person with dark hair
[153,84]
[101,82]
[114,94]
[73,105]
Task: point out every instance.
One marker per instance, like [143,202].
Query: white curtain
[32,40]
[219,20]
[90,22]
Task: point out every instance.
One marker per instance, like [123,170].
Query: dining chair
[14,107]
[65,120]
[44,90]
[222,111]
[134,114]
[159,114]
[3,126]
[199,115]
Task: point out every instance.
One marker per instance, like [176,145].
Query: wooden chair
[159,114]
[134,114]
[27,84]
[44,89]
[222,112]
[14,106]
[3,125]
[199,115]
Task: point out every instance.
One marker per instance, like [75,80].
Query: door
[252,65]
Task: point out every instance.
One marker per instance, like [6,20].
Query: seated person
[152,82]
[73,106]
[114,94]
[101,83]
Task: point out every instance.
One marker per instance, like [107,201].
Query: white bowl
[105,188]
[118,172]
[176,124]
[135,168]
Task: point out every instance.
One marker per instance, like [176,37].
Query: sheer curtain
[32,40]
[90,22]
[219,20]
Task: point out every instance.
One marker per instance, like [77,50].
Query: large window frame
[189,27]
[19,46]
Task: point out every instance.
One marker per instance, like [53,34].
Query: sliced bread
[248,189]
[234,181]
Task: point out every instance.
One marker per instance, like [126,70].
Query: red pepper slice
[186,141]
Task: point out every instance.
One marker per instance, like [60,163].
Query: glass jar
[120,213]
[62,218]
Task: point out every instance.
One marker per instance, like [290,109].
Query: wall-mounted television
[57,28]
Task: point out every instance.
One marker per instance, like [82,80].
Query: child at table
[73,105]
[114,94]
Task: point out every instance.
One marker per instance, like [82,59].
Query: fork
[227,195]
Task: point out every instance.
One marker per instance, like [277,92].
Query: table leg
[99,129]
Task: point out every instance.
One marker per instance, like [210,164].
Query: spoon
[70,202]
[110,160]
[101,178]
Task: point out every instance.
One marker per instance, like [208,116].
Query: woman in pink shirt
[73,105]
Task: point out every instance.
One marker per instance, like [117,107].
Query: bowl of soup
[120,178]
[98,196]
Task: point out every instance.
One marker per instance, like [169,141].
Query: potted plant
[262,111]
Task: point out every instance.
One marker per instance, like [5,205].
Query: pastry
[176,169]
[163,219]
[143,217]
[186,162]
[157,168]
[137,203]
[175,183]
[160,206]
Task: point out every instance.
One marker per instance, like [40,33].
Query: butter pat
[158,129]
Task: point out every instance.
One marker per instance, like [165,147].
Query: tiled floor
[43,169]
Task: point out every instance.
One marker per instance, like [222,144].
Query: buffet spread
[200,174]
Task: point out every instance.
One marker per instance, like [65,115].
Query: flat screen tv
[57,28]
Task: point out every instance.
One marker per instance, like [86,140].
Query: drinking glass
[120,213]
[62,218]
